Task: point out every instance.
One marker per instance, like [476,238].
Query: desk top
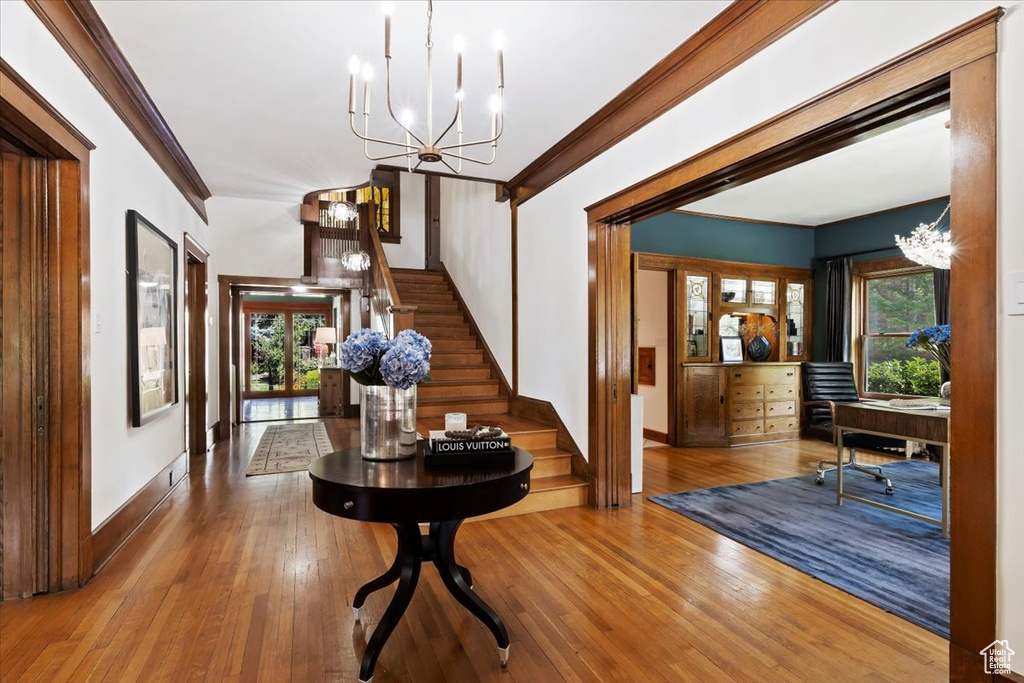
[930,426]
[407,491]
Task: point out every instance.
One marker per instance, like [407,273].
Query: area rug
[289,448]
[892,561]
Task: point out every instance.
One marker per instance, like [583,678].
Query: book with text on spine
[439,443]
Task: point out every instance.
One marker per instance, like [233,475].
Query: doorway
[45,529]
[195,347]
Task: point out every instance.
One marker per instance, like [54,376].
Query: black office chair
[825,385]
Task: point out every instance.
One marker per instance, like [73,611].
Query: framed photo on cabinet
[732,349]
[152,271]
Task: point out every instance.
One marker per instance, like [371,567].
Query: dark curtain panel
[839,308]
[940,280]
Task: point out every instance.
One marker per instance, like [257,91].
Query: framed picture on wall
[732,349]
[152,319]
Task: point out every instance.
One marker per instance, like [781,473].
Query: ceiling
[902,166]
[257,92]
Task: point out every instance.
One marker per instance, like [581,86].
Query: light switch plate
[1014,296]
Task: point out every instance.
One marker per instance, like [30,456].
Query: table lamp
[325,336]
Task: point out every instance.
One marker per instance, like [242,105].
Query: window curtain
[839,308]
[940,281]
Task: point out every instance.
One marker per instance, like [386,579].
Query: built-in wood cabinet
[738,404]
[330,391]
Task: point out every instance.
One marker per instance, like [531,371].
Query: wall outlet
[97,321]
[1015,292]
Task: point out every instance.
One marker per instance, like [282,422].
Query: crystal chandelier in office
[420,145]
[927,245]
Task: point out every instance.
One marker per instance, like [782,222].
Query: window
[895,305]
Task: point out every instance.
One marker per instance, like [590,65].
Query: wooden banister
[382,290]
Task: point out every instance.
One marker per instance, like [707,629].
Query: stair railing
[380,286]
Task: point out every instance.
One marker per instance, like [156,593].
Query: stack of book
[477,445]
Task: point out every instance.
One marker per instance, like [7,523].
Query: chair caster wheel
[355,613]
[503,653]
[820,481]
[888,490]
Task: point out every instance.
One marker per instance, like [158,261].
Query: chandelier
[927,246]
[421,145]
[344,215]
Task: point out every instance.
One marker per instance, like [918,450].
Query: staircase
[463,380]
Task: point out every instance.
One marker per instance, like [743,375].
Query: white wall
[412,210]
[476,242]
[652,330]
[847,39]
[122,176]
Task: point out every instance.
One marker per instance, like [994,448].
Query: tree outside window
[895,306]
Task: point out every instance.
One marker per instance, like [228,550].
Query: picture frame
[152,280]
[732,349]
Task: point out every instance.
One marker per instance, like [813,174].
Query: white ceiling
[902,166]
[257,92]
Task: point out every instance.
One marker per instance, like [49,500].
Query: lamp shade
[326,335]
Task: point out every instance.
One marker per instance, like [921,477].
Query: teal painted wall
[862,234]
[719,238]
[778,245]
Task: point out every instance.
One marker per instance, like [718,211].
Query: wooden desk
[404,494]
[926,426]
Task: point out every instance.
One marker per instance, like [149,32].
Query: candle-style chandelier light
[425,147]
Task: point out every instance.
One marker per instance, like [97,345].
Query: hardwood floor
[237,579]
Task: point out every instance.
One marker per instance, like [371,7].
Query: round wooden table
[405,494]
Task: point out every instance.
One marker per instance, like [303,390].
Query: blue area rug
[893,561]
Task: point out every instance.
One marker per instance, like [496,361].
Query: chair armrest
[831,408]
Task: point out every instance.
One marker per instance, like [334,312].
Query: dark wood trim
[515,299]
[195,282]
[20,87]
[973,317]
[882,212]
[432,222]
[961,67]
[740,31]
[126,520]
[29,118]
[660,437]
[684,212]
[78,28]
[543,411]
[887,266]
[506,389]
[649,261]
[908,87]
[223,359]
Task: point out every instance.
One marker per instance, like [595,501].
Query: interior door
[704,417]
[24,386]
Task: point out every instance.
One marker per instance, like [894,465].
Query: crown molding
[740,31]
[83,35]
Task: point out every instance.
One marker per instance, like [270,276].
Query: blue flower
[361,349]
[404,363]
[417,340]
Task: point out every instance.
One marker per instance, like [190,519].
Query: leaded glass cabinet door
[796,329]
[695,308]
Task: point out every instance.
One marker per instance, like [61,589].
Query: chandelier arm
[352,125]
[454,119]
[449,167]
[501,129]
[417,165]
[461,157]
[391,156]
[387,69]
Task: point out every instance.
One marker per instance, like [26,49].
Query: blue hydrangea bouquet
[934,340]
[373,360]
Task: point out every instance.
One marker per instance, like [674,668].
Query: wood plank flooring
[237,579]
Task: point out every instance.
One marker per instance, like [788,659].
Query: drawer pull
[789,374]
[348,505]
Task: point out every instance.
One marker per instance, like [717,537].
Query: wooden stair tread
[433,400]
[562,481]
[548,453]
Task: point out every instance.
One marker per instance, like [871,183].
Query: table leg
[945,491]
[382,581]
[839,467]
[408,561]
[457,580]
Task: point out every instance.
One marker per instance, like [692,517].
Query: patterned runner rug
[289,448]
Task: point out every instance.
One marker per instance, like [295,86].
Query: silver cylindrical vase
[387,422]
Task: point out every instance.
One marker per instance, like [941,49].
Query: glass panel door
[734,290]
[762,292]
[305,361]
[696,301]
[266,352]
[795,296]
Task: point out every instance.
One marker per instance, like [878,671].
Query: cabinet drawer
[782,424]
[780,408]
[775,392]
[743,411]
[765,374]
[747,392]
[746,427]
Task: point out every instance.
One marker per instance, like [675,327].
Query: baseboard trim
[1009,678]
[126,520]
[211,436]
[660,437]
[967,667]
